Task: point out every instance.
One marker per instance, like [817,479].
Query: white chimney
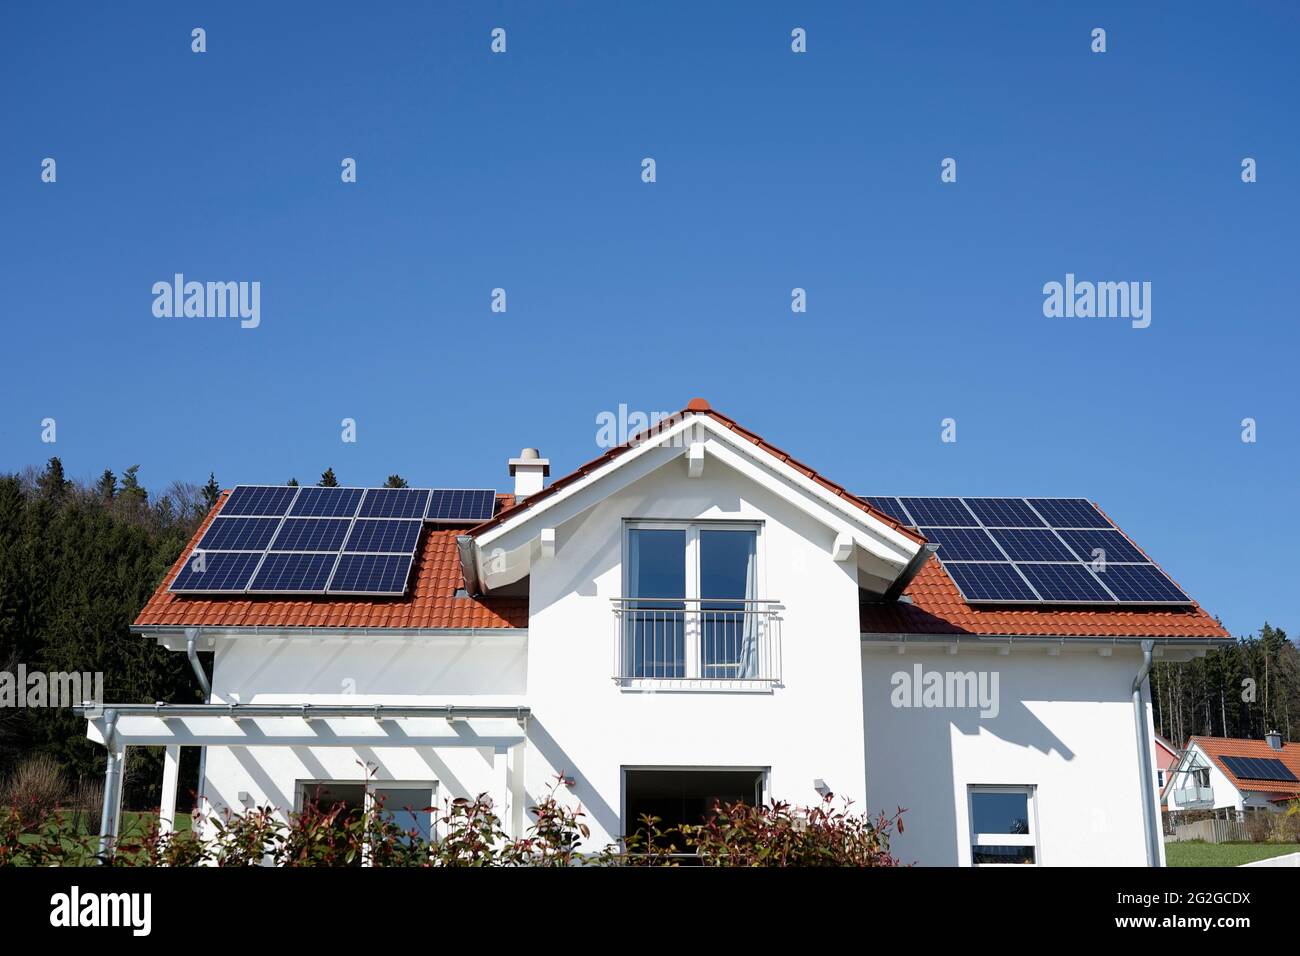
[528,470]
[1274,739]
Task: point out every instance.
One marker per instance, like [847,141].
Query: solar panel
[238,534]
[1004,512]
[945,512]
[1259,768]
[294,573]
[461,504]
[394,503]
[1141,584]
[311,534]
[1113,545]
[371,574]
[384,535]
[327,502]
[216,571]
[963,544]
[988,581]
[266,500]
[1031,544]
[1069,513]
[1070,583]
[890,506]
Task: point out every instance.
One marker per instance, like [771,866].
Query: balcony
[669,643]
[1194,798]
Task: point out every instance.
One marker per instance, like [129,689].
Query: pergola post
[515,782]
[501,787]
[171,776]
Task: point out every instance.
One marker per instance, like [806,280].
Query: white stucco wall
[1064,726]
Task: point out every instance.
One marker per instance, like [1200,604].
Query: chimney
[528,470]
[1274,739]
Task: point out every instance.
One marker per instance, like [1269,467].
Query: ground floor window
[1004,825]
[409,805]
[684,796]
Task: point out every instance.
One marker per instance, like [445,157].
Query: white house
[1235,774]
[694,615]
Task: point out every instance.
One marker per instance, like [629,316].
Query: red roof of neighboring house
[699,406]
[429,603]
[937,608]
[1219,747]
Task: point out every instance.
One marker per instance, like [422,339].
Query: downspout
[112,788]
[191,635]
[1145,772]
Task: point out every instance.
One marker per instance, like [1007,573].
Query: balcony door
[691,590]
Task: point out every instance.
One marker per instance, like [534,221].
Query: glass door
[656,617]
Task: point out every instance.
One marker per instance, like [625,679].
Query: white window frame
[1030,839]
[693,527]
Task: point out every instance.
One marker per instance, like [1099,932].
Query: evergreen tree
[327,479]
[211,491]
[133,493]
[106,487]
[52,485]
[292,482]
[396,481]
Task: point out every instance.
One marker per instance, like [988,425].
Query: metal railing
[1193,797]
[697,639]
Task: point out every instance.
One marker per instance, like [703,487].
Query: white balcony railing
[1194,798]
[697,640]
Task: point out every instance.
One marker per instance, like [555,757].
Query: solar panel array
[279,539]
[1259,768]
[1034,551]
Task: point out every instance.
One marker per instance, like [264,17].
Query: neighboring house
[1229,773]
[692,616]
[1166,757]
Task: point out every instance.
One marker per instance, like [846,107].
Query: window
[684,797]
[1004,828]
[692,609]
[1160,778]
[409,805]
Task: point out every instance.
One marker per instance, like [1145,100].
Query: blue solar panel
[327,502]
[1259,768]
[216,571]
[932,512]
[890,506]
[1070,583]
[266,500]
[394,503]
[384,535]
[1141,584]
[1004,512]
[311,534]
[1030,544]
[981,581]
[295,573]
[963,544]
[1113,544]
[371,574]
[1069,513]
[238,534]
[461,504]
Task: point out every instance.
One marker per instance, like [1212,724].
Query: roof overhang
[1168,649]
[174,637]
[505,552]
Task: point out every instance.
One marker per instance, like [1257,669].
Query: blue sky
[774,171]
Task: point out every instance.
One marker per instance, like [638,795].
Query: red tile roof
[1219,747]
[429,603]
[937,608]
[699,406]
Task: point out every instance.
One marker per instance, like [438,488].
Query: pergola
[118,726]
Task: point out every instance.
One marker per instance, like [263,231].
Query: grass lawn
[1196,853]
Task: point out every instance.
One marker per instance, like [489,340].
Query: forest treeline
[78,560]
